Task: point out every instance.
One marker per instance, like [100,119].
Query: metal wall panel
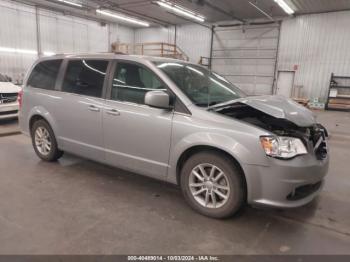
[17,30]
[58,34]
[65,34]
[317,45]
[247,56]
[154,34]
[194,40]
[122,34]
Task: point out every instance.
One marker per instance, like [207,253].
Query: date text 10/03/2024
[174,258]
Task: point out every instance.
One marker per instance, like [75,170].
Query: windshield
[203,87]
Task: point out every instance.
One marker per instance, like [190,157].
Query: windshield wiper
[222,103]
[201,104]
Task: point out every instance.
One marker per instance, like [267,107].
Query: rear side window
[85,77]
[44,74]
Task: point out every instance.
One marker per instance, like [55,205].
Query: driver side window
[131,82]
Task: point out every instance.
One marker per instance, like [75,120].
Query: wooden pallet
[302,101]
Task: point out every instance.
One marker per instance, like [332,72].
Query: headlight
[282,146]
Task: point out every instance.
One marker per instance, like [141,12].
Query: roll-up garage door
[246,55]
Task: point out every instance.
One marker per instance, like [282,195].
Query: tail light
[20,98]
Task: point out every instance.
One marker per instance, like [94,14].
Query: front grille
[304,191]
[8,98]
[8,112]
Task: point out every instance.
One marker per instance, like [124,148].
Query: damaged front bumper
[286,183]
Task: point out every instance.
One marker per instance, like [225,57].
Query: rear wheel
[44,141]
[212,184]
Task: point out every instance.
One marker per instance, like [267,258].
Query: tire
[47,153]
[231,180]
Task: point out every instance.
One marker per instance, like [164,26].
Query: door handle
[113,112]
[94,108]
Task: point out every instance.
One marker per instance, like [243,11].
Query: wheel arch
[54,152]
[200,148]
[35,118]
[38,113]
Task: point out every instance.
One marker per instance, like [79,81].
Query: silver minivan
[178,122]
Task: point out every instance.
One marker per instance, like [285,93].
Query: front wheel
[212,184]
[44,141]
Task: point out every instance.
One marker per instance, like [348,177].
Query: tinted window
[85,77]
[44,74]
[131,82]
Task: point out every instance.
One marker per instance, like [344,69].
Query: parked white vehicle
[8,98]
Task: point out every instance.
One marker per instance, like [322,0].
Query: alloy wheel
[42,140]
[209,185]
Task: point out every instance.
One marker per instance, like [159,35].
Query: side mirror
[158,99]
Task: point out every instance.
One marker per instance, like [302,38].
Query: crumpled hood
[280,107]
[8,87]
